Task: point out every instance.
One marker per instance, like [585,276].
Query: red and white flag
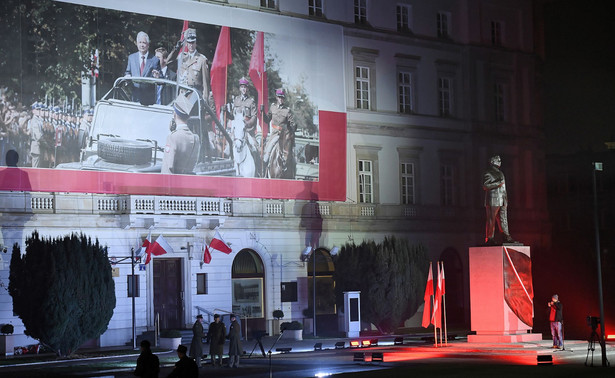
[427,298]
[436,318]
[219,68]
[206,255]
[184,47]
[258,74]
[218,244]
[145,248]
[160,247]
[443,285]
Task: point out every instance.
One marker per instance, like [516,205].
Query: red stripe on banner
[331,185]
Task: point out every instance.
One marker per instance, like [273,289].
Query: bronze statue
[496,201]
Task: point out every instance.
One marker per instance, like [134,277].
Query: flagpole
[435,329]
[444,306]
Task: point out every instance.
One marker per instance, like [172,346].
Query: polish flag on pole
[258,74]
[145,248]
[206,255]
[218,244]
[436,318]
[160,247]
[219,68]
[184,47]
[427,298]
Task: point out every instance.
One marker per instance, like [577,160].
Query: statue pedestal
[501,295]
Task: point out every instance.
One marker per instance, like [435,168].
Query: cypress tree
[62,290]
[390,276]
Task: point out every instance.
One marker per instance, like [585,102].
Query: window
[403,17]
[201,283]
[496,33]
[499,101]
[404,85]
[442,25]
[366,190]
[362,87]
[447,184]
[133,285]
[315,8]
[288,291]
[445,94]
[407,184]
[360,11]
[268,4]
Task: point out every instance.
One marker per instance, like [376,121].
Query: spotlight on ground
[374,342]
[377,357]
[318,346]
[359,357]
[283,350]
[398,341]
[355,343]
[544,359]
[340,345]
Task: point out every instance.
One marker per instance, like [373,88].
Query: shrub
[7,329]
[278,314]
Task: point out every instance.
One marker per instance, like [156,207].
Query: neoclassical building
[410,100]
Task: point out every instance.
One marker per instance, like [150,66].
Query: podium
[501,295]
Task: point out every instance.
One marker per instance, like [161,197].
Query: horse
[276,167]
[244,161]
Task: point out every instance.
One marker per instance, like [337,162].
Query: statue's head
[495,160]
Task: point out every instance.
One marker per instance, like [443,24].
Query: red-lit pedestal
[501,295]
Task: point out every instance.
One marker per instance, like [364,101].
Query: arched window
[248,284]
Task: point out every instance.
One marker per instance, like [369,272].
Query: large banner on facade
[131,102]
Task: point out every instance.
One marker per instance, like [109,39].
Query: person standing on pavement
[148,365]
[185,367]
[556,318]
[215,336]
[196,346]
[234,348]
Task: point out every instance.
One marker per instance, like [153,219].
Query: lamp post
[597,166]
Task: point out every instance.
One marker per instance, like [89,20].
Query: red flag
[184,48]
[259,76]
[160,247]
[218,244]
[206,255]
[427,298]
[436,318]
[219,67]
[145,248]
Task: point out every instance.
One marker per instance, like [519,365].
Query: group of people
[148,364]
[193,71]
[44,135]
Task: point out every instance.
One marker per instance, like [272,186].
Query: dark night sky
[579,75]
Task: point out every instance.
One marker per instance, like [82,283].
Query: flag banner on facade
[219,67]
[206,255]
[145,249]
[436,318]
[160,247]
[427,298]
[258,75]
[218,244]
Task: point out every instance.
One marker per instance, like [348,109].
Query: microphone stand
[269,352]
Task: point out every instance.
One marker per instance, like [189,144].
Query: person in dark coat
[196,346]
[185,367]
[215,336]
[234,348]
[148,365]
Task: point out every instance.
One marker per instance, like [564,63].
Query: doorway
[168,293]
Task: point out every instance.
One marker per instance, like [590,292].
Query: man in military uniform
[37,140]
[282,134]
[182,147]
[496,201]
[245,104]
[193,68]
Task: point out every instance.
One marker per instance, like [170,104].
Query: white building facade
[429,90]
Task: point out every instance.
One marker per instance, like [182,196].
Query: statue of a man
[496,201]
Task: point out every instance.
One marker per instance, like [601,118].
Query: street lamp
[597,166]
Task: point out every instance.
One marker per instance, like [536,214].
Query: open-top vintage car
[129,129]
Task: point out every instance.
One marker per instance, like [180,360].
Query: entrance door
[168,293]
